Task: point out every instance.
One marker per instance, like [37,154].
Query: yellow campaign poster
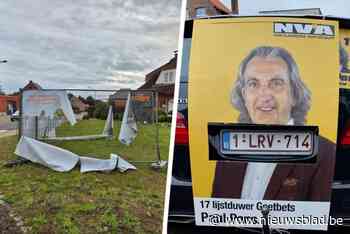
[267,71]
[344,58]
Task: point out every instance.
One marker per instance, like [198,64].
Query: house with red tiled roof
[162,80]
[77,105]
[32,86]
[203,8]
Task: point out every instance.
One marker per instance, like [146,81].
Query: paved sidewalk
[7,124]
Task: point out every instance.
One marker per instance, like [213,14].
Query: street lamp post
[2,61]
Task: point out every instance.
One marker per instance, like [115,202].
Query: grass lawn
[71,202]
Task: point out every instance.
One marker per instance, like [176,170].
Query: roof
[218,5]
[151,78]
[77,103]
[165,89]
[309,11]
[32,85]
[120,94]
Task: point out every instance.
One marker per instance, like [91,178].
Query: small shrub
[163,116]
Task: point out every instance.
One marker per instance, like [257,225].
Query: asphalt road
[6,124]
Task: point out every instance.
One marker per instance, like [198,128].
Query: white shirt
[257,178]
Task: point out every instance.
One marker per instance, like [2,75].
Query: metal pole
[265,228]
[142,162]
[157,128]
[36,127]
[19,160]
[98,90]
[20,121]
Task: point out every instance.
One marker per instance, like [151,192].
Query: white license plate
[267,143]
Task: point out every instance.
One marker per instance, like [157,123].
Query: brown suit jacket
[303,182]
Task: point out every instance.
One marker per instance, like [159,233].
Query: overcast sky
[85,43]
[101,43]
[328,7]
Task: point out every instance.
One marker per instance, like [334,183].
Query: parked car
[14,116]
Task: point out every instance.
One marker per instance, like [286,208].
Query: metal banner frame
[157,163]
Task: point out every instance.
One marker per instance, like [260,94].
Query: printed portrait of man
[269,90]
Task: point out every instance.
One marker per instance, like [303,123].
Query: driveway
[7,128]
[6,124]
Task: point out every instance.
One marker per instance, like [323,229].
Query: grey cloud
[58,43]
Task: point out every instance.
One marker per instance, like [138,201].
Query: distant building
[119,99]
[203,8]
[77,105]
[302,11]
[162,80]
[32,86]
[10,103]
[142,105]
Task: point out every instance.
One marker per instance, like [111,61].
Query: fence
[42,126]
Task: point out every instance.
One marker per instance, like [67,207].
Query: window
[166,77]
[201,11]
[171,75]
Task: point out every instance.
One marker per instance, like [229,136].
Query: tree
[14,93]
[70,95]
[90,100]
[101,110]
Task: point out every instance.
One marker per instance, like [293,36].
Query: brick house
[162,80]
[32,86]
[8,104]
[77,105]
[142,104]
[118,99]
[202,8]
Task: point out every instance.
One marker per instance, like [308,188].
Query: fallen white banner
[61,160]
[47,155]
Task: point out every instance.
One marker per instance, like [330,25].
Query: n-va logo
[304,29]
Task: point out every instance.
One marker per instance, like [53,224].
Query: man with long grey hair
[269,90]
[287,78]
